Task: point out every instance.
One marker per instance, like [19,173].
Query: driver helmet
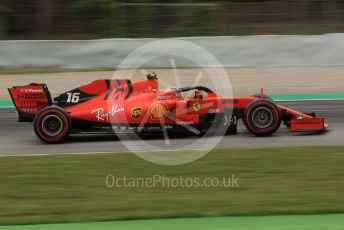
[152,76]
[198,94]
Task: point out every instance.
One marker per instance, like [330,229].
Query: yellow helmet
[152,76]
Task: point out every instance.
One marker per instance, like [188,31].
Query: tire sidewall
[267,104]
[62,114]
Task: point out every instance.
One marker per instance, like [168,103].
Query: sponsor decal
[117,88]
[33,90]
[136,112]
[31,96]
[101,116]
[159,127]
[196,106]
[185,123]
[158,111]
[230,120]
[164,97]
[29,109]
[214,110]
[153,127]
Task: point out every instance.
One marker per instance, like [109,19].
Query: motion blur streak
[16,139]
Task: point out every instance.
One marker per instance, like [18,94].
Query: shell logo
[158,111]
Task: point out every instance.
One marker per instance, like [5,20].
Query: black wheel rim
[262,117]
[52,125]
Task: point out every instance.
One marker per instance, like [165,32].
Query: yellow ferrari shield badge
[196,106]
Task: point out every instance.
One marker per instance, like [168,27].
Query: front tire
[52,124]
[262,117]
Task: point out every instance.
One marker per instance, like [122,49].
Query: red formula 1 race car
[108,105]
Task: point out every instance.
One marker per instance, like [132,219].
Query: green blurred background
[88,19]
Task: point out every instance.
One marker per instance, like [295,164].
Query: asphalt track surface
[19,138]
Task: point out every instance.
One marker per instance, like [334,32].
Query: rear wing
[29,100]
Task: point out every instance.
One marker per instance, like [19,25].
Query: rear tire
[52,124]
[262,117]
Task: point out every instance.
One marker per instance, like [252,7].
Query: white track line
[94,153]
